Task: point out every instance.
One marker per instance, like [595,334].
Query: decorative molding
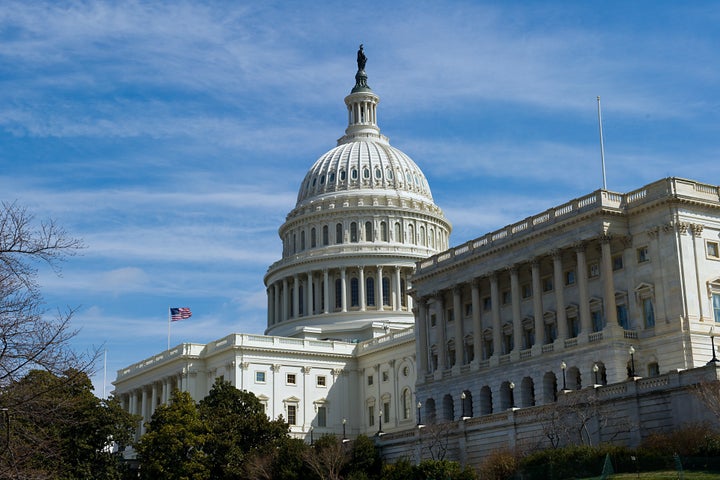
[697,229]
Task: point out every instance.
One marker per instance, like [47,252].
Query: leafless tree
[435,438]
[30,338]
[709,394]
[580,417]
[327,458]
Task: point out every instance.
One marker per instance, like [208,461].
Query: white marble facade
[575,286]
[373,322]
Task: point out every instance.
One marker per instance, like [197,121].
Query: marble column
[558,284]
[538,304]
[476,321]
[458,314]
[583,295]
[495,306]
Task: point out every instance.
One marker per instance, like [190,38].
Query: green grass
[663,475]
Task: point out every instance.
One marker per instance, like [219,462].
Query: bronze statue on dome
[361,58]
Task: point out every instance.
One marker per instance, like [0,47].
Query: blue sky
[172,136]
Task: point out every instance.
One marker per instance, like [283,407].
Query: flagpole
[602,145]
[168,312]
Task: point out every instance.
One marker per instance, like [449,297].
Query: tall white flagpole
[104,373]
[168,310]
[602,145]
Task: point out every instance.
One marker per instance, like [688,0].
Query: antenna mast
[602,146]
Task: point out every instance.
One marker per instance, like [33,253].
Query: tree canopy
[60,429]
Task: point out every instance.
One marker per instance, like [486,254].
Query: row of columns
[143,401]
[515,295]
[284,295]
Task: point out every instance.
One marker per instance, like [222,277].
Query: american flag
[180,313]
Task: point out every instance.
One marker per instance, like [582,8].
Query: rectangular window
[487,303]
[617,262]
[506,297]
[526,290]
[259,377]
[321,381]
[550,332]
[370,379]
[648,312]
[468,309]
[716,306]
[292,414]
[385,376]
[371,415]
[433,320]
[597,320]
[713,250]
[450,315]
[570,277]
[322,417]
[622,316]
[547,284]
[642,255]
[573,326]
[290,379]
[594,270]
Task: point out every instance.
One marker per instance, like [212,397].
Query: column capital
[580,246]
[476,282]
[556,254]
[605,238]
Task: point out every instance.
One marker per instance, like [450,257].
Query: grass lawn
[664,475]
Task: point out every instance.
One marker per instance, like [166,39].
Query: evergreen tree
[237,426]
[174,443]
[60,429]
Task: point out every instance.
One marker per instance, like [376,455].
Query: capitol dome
[364,216]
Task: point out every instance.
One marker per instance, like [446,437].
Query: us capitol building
[375,326]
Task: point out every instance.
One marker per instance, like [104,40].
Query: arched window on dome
[331,177]
[386,291]
[431,237]
[302,240]
[383,232]
[353,174]
[398,233]
[366,173]
[378,174]
[389,174]
[325,235]
[411,234]
[313,238]
[370,291]
[343,175]
[301,301]
[338,233]
[354,292]
[423,240]
[353,232]
[368,232]
[294,249]
[338,293]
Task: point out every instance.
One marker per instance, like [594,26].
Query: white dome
[364,165]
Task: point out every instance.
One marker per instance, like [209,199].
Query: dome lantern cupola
[362,107]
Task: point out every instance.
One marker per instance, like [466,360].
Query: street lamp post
[563,367]
[380,431]
[419,418]
[512,394]
[631,351]
[714,359]
[462,402]
[344,421]
[311,435]
[596,369]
